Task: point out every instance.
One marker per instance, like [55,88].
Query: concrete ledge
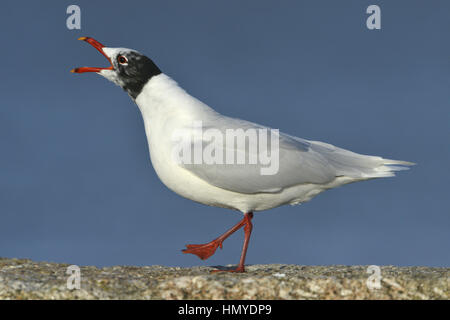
[26,279]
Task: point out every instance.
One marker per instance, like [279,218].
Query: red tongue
[97,45]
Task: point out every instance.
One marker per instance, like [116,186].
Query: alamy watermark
[74,279]
[74,20]
[374,280]
[209,146]
[374,20]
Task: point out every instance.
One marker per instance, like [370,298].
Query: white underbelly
[188,185]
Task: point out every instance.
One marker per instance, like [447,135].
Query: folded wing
[299,161]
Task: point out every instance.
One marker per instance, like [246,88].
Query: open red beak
[97,45]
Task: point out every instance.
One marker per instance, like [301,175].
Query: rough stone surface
[26,279]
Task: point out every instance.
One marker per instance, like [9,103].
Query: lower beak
[97,45]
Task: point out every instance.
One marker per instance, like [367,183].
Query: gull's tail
[359,166]
[389,166]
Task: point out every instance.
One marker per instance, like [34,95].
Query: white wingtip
[398,162]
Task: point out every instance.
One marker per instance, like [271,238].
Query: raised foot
[203,251]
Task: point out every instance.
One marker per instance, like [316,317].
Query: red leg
[248,231]
[204,251]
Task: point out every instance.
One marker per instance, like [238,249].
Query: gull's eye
[122,60]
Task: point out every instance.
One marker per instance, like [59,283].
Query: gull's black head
[129,69]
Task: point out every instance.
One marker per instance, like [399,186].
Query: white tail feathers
[358,166]
[389,166]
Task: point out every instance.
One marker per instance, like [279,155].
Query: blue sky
[76,183]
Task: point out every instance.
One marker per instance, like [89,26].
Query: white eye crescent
[122,60]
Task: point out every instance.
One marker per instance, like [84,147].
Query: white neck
[162,96]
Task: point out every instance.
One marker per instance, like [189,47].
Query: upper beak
[97,45]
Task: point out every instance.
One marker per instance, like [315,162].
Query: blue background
[76,184]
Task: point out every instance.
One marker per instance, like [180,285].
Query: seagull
[236,176]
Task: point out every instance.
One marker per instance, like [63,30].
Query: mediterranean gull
[194,156]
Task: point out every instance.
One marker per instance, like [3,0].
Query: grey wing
[297,161]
